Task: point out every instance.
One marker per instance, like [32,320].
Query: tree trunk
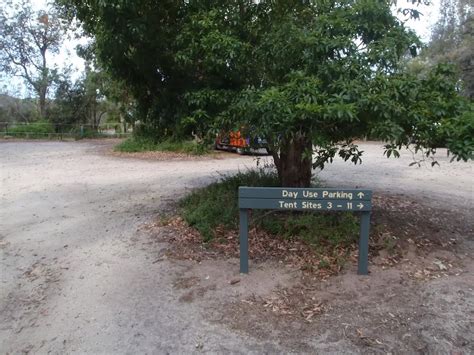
[294,170]
[43,85]
[42,102]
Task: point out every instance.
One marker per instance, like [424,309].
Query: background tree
[120,103]
[115,94]
[94,101]
[82,101]
[13,109]
[452,40]
[26,39]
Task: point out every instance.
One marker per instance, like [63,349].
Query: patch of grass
[188,147]
[389,243]
[86,132]
[141,144]
[319,229]
[135,144]
[215,207]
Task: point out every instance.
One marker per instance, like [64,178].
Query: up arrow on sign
[360,194]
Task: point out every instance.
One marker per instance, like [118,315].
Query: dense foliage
[299,73]
[38,129]
[452,40]
[81,101]
[13,109]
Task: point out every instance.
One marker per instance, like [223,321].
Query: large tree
[27,38]
[310,76]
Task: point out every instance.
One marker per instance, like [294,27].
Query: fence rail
[46,130]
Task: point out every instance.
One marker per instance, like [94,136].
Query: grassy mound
[141,144]
[216,204]
[214,209]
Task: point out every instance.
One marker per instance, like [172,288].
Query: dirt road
[77,275]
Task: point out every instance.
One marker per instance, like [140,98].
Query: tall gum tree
[27,38]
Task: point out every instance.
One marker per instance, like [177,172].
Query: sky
[430,15]
[68,56]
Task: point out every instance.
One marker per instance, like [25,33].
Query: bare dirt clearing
[79,274]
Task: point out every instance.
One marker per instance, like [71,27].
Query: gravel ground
[78,274]
[449,185]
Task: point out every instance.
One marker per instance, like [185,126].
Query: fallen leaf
[234,281]
[440,265]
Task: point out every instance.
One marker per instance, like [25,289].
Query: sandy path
[449,185]
[73,277]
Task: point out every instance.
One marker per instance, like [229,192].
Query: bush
[85,132]
[38,129]
[459,133]
[143,144]
[321,230]
[135,144]
[216,206]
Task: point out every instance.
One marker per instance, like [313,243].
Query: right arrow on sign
[360,205]
[361,194]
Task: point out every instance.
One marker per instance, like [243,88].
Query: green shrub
[459,133]
[85,132]
[38,129]
[216,206]
[143,144]
[321,229]
[135,144]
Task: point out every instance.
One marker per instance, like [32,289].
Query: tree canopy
[309,76]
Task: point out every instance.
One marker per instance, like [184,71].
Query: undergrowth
[38,129]
[46,130]
[215,207]
[141,144]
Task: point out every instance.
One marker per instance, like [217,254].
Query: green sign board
[303,193]
[305,199]
[304,205]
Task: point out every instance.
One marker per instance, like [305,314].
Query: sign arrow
[361,194]
[360,205]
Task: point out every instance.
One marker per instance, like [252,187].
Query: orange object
[232,140]
[236,140]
